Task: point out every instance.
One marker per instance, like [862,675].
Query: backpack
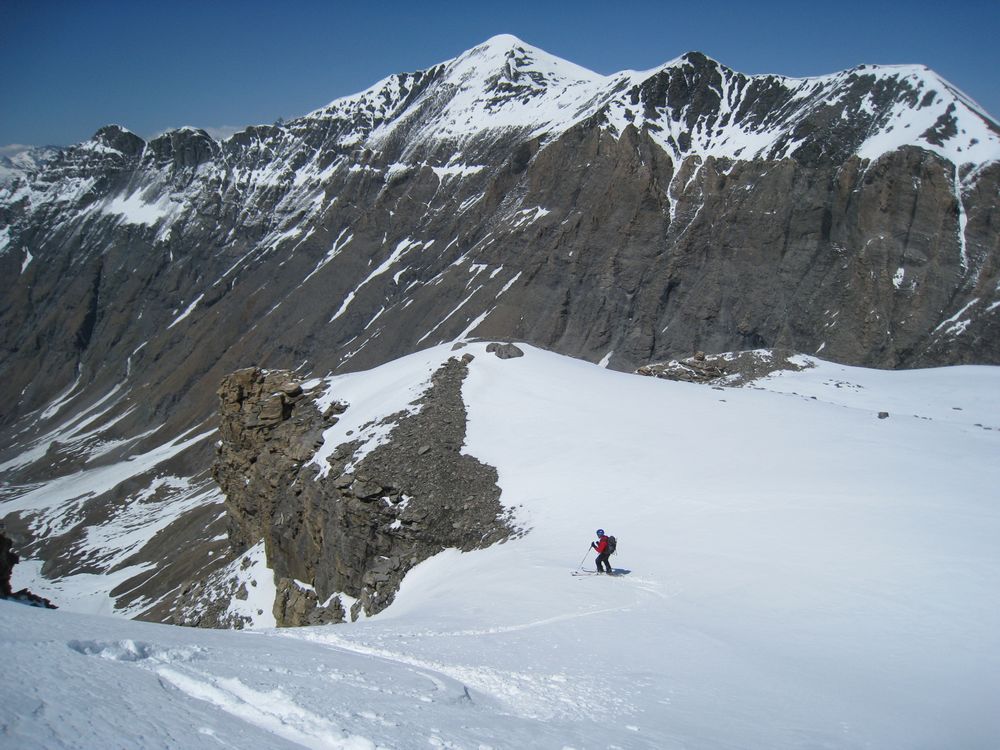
[612,545]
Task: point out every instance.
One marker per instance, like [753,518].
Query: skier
[603,552]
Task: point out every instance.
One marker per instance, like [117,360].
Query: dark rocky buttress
[360,527]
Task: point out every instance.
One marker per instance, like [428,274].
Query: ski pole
[585,556]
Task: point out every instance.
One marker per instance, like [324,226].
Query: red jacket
[602,545]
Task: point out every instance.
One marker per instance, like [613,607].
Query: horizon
[244,65]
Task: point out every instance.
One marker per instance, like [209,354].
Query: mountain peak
[501,42]
[116,138]
[507,51]
[698,58]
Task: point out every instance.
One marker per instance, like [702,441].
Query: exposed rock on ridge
[340,544]
[730,369]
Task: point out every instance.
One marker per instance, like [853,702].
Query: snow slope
[794,573]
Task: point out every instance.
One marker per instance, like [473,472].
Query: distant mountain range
[22,164]
[506,194]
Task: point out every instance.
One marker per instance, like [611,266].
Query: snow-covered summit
[498,85]
[697,106]
[507,84]
[507,58]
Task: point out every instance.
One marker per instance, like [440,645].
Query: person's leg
[602,560]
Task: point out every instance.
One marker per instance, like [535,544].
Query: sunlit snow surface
[796,573]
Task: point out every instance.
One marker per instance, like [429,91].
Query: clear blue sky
[70,67]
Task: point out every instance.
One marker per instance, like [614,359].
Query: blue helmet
[600,532]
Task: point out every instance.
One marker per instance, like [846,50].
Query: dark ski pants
[603,559]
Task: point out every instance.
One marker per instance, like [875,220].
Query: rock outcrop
[298,604]
[340,540]
[729,369]
[8,559]
[505,351]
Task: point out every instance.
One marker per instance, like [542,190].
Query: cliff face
[643,259]
[506,194]
[340,543]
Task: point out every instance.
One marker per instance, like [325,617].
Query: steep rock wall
[357,530]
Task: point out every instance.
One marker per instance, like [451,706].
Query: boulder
[295,606]
[504,351]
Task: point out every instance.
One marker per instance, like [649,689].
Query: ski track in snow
[256,696]
[528,695]
[272,711]
[524,694]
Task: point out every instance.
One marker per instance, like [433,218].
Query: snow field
[844,562]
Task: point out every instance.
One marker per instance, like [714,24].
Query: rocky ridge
[341,541]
